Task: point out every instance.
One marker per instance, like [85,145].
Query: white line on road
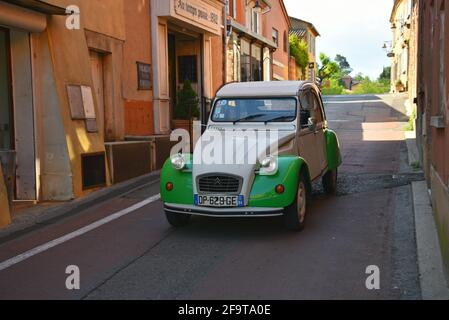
[24,256]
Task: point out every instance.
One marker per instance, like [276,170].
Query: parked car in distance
[276,184]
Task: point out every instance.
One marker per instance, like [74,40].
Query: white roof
[262,89]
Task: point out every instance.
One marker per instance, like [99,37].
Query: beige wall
[70,55]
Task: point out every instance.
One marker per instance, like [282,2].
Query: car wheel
[178,220]
[295,215]
[330,182]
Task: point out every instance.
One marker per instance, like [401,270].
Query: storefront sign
[200,13]
[144,76]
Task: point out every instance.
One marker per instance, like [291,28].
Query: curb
[36,220]
[433,281]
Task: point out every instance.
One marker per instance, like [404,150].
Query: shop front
[21,25]
[249,55]
[184,34]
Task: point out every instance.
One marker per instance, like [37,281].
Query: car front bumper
[243,212]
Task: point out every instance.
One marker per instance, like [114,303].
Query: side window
[307,108]
[318,114]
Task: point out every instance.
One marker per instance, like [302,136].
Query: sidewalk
[31,218]
[434,285]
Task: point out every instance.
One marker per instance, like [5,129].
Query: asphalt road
[139,256]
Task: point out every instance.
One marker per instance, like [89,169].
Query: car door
[320,139]
[307,137]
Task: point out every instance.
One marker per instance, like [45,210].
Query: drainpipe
[226,41]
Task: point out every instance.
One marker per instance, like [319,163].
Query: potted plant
[186,108]
[399,86]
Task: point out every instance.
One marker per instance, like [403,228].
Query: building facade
[74,83]
[256,41]
[307,32]
[433,108]
[401,23]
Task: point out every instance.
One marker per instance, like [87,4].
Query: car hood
[240,153]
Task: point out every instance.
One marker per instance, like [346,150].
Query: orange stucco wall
[139,117]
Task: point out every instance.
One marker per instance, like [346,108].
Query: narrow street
[139,256]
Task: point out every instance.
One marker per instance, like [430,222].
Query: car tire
[177,220]
[295,215]
[330,181]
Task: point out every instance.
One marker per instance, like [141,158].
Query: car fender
[333,152]
[182,192]
[263,193]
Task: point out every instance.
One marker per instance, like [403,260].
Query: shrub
[300,51]
[187,105]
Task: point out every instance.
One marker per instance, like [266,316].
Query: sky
[356,29]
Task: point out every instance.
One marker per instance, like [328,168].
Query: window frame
[275,39]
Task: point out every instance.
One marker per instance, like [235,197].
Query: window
[275,36]
[188,69]
[255,110]
[285,42]
[310,108]
[6,122]
[256,63]
[245,62]
[255,21]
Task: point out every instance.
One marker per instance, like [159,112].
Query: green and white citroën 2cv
[274,140]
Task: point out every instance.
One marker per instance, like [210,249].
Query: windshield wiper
[280,118]
[253,116]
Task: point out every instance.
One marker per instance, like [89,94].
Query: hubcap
[302,202]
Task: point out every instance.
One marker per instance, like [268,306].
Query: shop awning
[39,6]
[243,31]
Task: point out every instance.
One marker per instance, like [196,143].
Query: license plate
[219,201]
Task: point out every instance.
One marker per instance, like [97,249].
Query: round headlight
[269,166]
[178,162]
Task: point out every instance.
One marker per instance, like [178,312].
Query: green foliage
[411,126]
[368,86]
[386,74]
[187,103]
[300,51]
[344,65]
[329,69]
[335,88]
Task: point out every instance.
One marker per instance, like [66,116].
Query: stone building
[433,108]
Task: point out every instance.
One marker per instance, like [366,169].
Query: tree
[329,69]
[344,65]
[187,104]
[385,76]
[300,51]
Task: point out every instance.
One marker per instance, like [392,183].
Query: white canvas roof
[262,89]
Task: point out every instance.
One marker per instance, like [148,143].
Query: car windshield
[255,110]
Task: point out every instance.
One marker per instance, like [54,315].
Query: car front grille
[219,184]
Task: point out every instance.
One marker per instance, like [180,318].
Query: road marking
[24,256]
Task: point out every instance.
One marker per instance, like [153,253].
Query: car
[288,115]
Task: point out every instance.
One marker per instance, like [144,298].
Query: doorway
[97,69]
[184,56]
[6,110]
[17,136]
